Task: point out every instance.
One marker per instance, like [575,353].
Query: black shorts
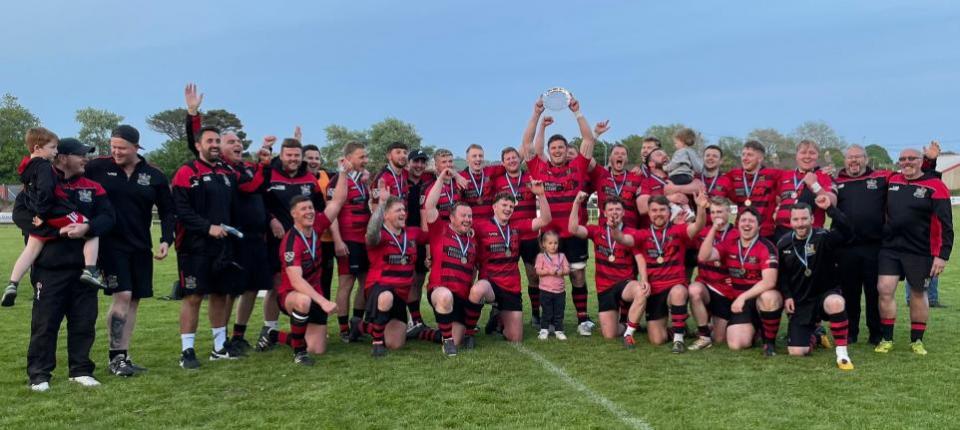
[356,262]
[507,301]
[575,249]
[203,274]
[806,315]
[690,258]
[459,313]
[273,254]
[681,179]
[529,250]
[397,312]
[421,265]
[657,306]
[251,255]
[719,305]
[316,316]
[612,299]
[914,268]
[127,271]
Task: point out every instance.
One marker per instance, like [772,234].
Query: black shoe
[535,321]
[303,358]
[267,339]
[379,349]
[413,332]
[241,345]
[769,350]
[118,366]
[223,354]
[449,348]
[493,322]
[234,349]
[9,296]
[355,333]
[188,359]
[678,347]
[136,369]
[874,339]
[469,342]
[345,336]
[92,278]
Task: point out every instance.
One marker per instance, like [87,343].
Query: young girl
[551,267]
[51,211]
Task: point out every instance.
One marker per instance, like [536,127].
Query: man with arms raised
[751,262]
[563,178]
[917,240]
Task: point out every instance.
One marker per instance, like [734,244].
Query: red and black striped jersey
[396,181]
[481,190]
[303,252]
[453,258]
[495,264]
[388,267]
[760,189]
[652,185]
[743,276]
[526,208]
[919,217]
[622,268]
[792,189]
[674,242]
[355,214]
[716,185]
[281,187]
[625,186]
[561,184]
[714,275]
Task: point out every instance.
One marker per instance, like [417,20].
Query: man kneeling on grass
[300,293]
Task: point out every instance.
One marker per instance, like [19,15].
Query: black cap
[128,133]
[397,145]
[71,146]
[417,154]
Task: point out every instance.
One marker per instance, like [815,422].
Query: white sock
[677,337]
[219,337]
[274,325]
[842,353]
[186,341]
[629,331]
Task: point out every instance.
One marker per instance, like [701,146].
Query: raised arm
[624,239]
[526,144]
[574,221]
[430,211]
[538,141]
[707,252]
[374,226]
[339,194]
[704,204]
[586,134]
[545,216]
[194,120]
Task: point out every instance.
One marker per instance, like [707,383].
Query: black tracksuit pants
[58,293]
[858,276]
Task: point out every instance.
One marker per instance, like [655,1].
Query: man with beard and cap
[349,238]
[754,186]
[917,240]
[862,196]
[417,177]
[58,290]
[803,185]
[751,262]
[134,188]
[563,178]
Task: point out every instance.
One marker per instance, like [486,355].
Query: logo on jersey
[871,184]
[894,188]
[277,187]
[39,287]
[190,282]
[143,179]
[112,282]
[305,190]
[920,192]
[226,180]
[111,173]
[288,257]
[85,196]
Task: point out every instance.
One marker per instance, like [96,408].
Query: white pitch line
[613,408]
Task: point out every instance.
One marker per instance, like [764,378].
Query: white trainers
[585,328]
[41,387]
[560,335]
[544,334]
[86,381]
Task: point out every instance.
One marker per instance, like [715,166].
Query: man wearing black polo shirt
[134,188]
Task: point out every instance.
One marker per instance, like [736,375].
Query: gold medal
[611,258]
[405,260]
[660,260]
[748,203]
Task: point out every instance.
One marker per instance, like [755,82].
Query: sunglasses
[909,158]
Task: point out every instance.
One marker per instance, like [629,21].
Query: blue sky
[464,73]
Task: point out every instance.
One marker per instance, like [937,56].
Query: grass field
[583,383]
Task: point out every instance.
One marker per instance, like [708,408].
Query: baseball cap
[128,133]
[417,154]
[72,146]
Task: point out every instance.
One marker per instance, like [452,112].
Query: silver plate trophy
[556,98]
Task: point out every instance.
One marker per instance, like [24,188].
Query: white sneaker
[86,381]
[544,334]
[41,387]
[560,335]
[585,328]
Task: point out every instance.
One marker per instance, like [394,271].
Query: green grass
[493,386]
